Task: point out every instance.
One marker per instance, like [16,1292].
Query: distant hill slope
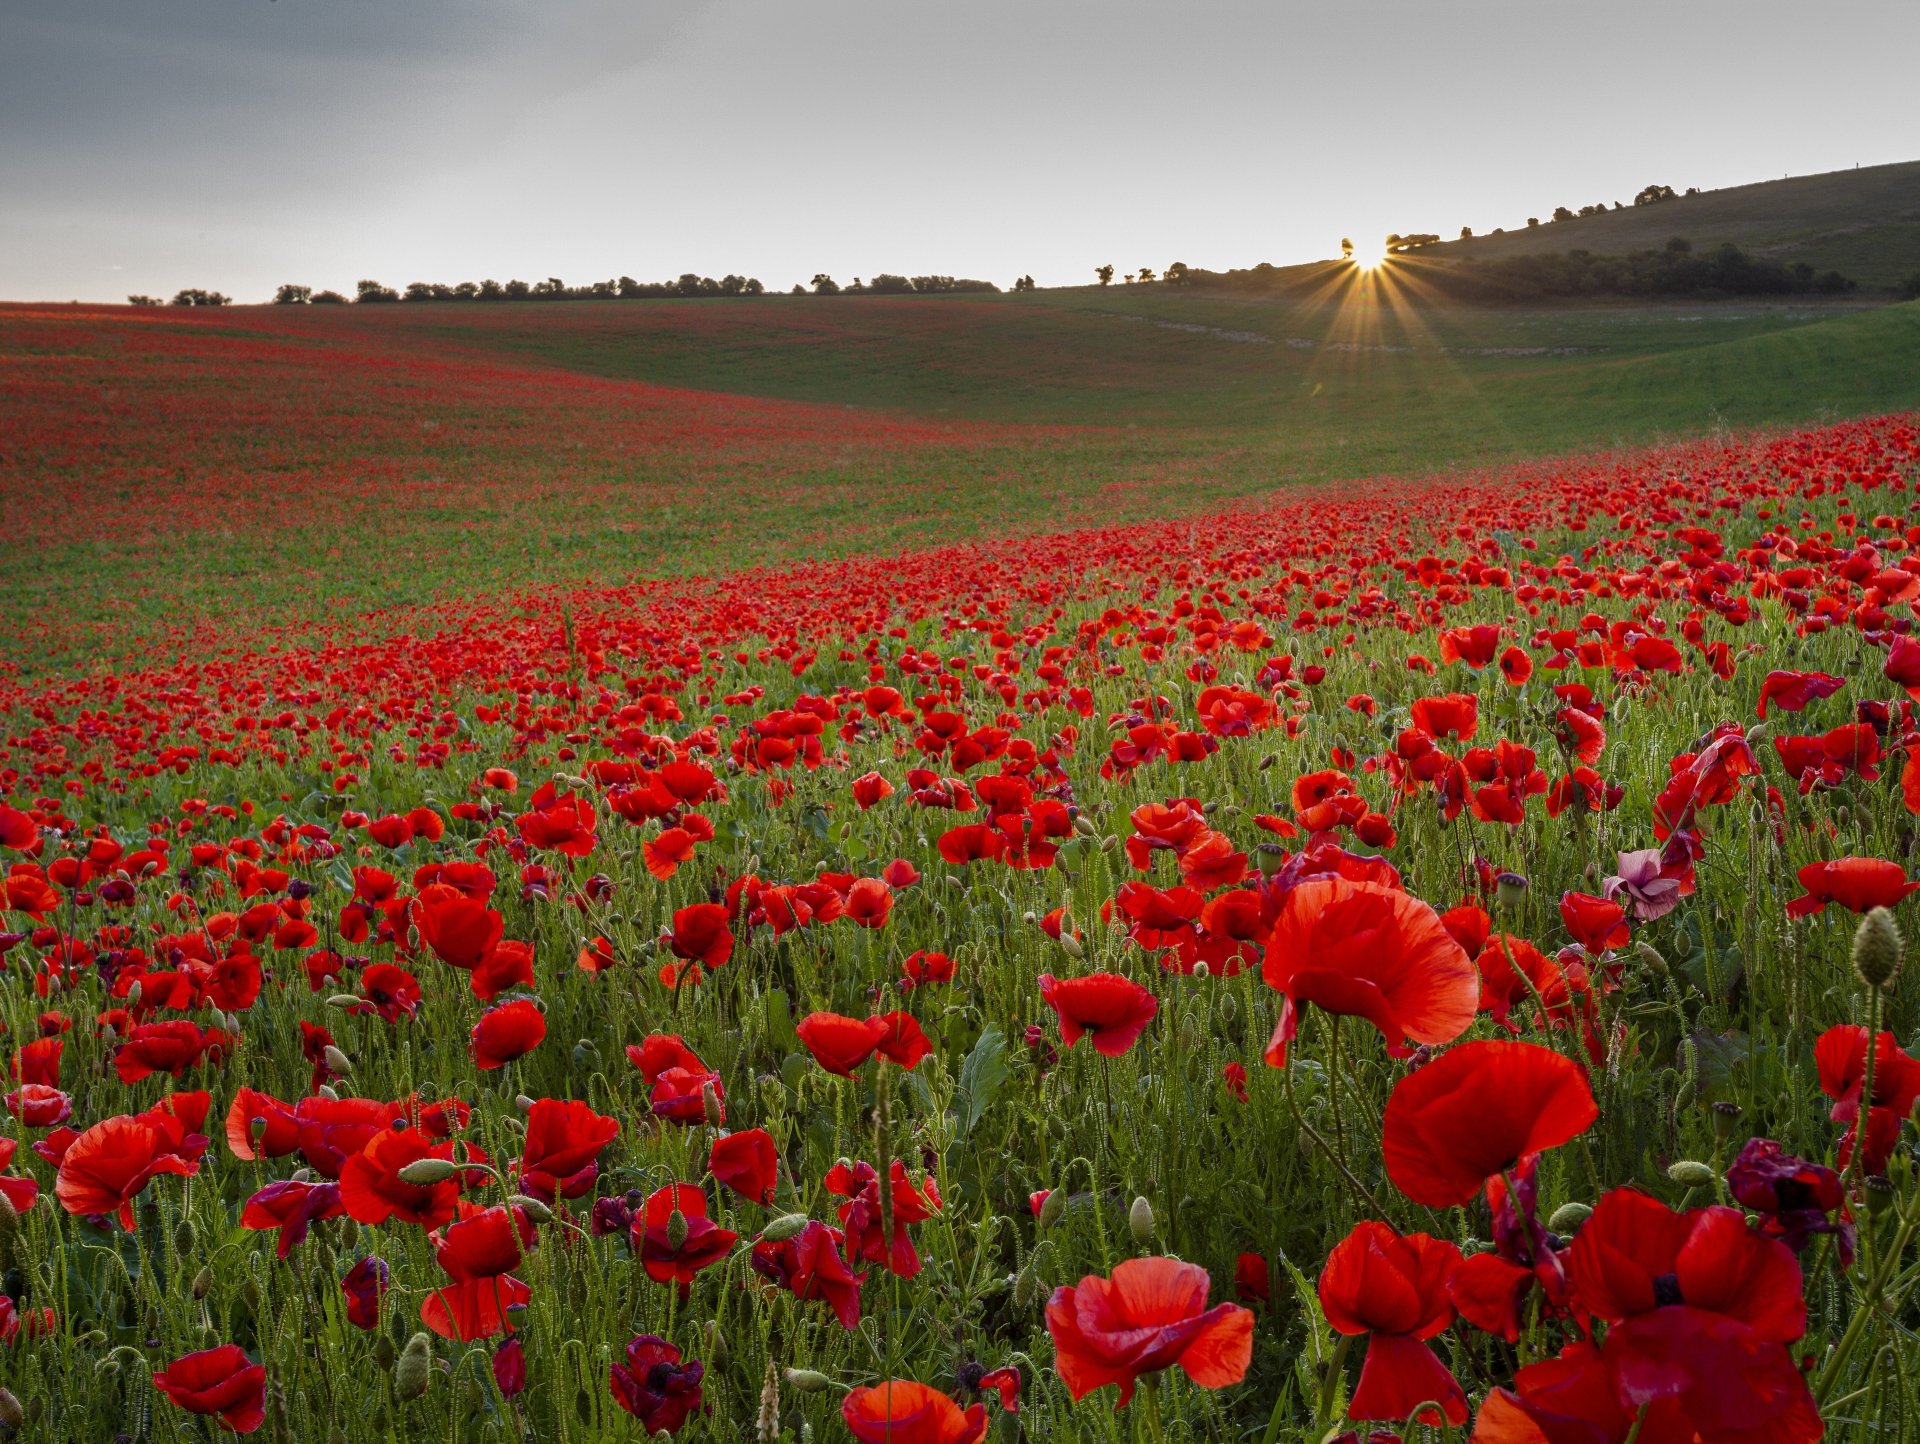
[1862,223]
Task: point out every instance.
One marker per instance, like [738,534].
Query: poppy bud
[326,1091]
[1053,1208]
[1879,1195]
[1070,945]
[533,1208]
[1878,949]
[676,1228]
[1109,843]
[788,1225]
[710,1105]
[1689,1174]
[384,1352]
[425,1172]
[12,1416]
[133,995]
[1229,1008]
[1568,1217]
[1026,1288]
[806,1381]
[346,1002]
[1140,1220]
[1201,970]
[1650,955]
[337,1062]
[250,1294]
[719,1355]
[202,1284]
[415,1369]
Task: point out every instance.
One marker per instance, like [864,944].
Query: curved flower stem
[1361,1191]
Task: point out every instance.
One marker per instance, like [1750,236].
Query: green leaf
[982,1075]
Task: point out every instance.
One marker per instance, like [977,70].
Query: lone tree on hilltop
[291,295]
[825,285]
[1105,273]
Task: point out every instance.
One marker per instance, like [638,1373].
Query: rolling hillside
[1863,223]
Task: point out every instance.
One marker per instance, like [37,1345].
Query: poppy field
[1413,959]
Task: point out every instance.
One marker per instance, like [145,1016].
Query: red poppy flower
[748,1163]
[1252,1279]
[291,1207]
[364,1285]
[866,1236]
[1394,1288]
[507,1032]
[1109,1008]
[654,1385]
[478,1255]
[700,934]
[390,991]
[373,1191]
[869,902]
[1476,1111]
[564,1139]
[1859,884]
[700,1242]
[1575,1397]
[1598,924]
[898,1411]
[1840,1056]
[105,1168]
[1454,714]
[1792,691]
[678,1078]
[1150,1315]
[223,1382]
[170,1047]
[810,1266]
[840,1044]
[460,929]
[921,967]
[508,965]
[1370,950]
[559,824]
[38,1106]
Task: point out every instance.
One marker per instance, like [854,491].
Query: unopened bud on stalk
[1070,945]
[1140,1220]
[346,1002]
[1054,1205]
[202,1284]
[676,1228]
[806,1381]
[412,1373]
[425,1172]
[12,1416]
[1878,949]
[533,1208]
[337,1062]
[710,1105]
[787,1226]
[1569,1216]
[326,1091]
[1689,1174]
[1650,955]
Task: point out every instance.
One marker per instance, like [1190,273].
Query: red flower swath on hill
[810,1265]
[1701,1309]
[222,1382]
[105,1168]
[1859,884]
[562,1151]
[747,1162]
[673,1252]
[1369,950]
[861,1216]
[1394,1289]
[1840,1055]
[1476,1111]
[1107,1007]
[899,1411]
[509,1031]
[652,1384]
[478,1255]
[1151,1314]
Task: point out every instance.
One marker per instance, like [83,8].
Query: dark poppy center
[1666,1290]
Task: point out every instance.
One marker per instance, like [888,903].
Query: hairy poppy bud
[425,1172]
[1070,945]
[1140,1220]
[12,1416]
[1054,1206]
[346,1002]
[1568,1217]
[326,1091]
[676,1228]
[533,1208]
[202,1284]
[384,1352]
[710,1105]
[1878,949]
[1650,955]
[1026,1288]
[1201,970]
[411,1374]
[184,1239]
[806,1381]
[719,1354]
[787,1226]
[1689,1174]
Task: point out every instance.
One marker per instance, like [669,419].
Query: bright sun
[1369,256]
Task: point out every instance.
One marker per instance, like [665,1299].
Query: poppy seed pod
[1140,1220]
[1878,949]
[1879,1189]
[415,1368]
[1510,888]
[1690,1174]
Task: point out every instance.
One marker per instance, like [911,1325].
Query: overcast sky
[147,145]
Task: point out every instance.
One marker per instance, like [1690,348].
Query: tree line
[624,288]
